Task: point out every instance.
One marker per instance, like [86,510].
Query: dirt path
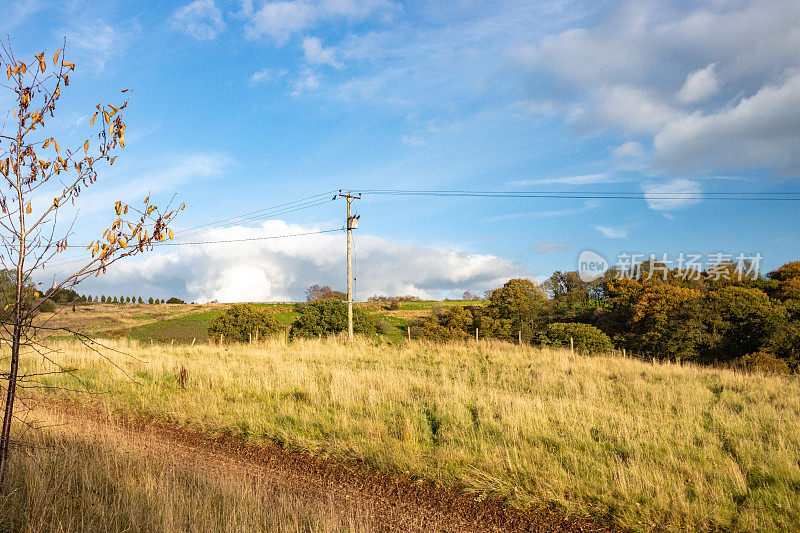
[390,502]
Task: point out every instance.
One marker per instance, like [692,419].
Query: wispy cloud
[587,206]
[583,179]
[612,233]
[201,19]
[261,76]
[547,247]
[672,195]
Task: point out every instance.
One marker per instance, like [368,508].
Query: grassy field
[635,445]
[75,478]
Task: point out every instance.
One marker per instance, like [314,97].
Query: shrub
[586,338]
[238,323]
[174,300]
[324,317]
[761,362]
[48,306]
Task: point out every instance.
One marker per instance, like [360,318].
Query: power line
[592,195]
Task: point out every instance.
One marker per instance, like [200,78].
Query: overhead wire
[586,195]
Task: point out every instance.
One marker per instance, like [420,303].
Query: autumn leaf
[71,66]
[86,147]
[171,235]
[55,57]
[28,209]
[55,202]
[91,122]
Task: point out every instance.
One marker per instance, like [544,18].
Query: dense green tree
[174,300]
[583,337]
[323,317]
[740,321]
[521,301]
[665,322]
[242,322]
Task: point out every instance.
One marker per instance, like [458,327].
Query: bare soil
[389,501]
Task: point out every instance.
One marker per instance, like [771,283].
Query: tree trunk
[8,414]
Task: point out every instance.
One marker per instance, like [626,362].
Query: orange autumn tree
[42,177]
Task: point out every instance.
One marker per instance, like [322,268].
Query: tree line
[67,296]
[713,316]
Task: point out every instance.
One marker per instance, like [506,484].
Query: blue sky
[239,106]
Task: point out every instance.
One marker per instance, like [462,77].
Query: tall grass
[75,478]
[637,445]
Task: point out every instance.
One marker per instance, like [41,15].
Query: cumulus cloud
[762,130]
[611,232]
[629,150]
[201,19]
[636,69]
[700,85]
[281,269]
[672,195]
[316,54]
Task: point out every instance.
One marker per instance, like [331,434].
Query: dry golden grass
[95,318]
[636,445]
[89,476]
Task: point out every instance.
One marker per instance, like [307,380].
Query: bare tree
[43,178]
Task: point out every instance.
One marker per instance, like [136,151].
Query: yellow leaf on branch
[28,209]
[86,147]
[55,57]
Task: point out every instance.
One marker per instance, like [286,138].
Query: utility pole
[352,223]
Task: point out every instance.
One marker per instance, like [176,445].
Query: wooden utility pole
[352,223]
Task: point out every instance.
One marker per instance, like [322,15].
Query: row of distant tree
[714,316]
[66,296]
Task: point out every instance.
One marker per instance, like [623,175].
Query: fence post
[520,337]
[476,334]
[409,333]
[571,346]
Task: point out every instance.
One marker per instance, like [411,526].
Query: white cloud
[550,246]
[281,269]
[760,131]
[261,76]
[201,19]
[316,54]
[700,85]
[631,108]
[582,179]
[672,195]
[280,20]
[628,72]
[413,140]
[97,42]
[629,150]
[612,233]
[308,81]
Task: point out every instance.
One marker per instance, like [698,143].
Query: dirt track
[391,502]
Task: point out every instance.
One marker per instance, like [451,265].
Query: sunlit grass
[76,477]
[636,445]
